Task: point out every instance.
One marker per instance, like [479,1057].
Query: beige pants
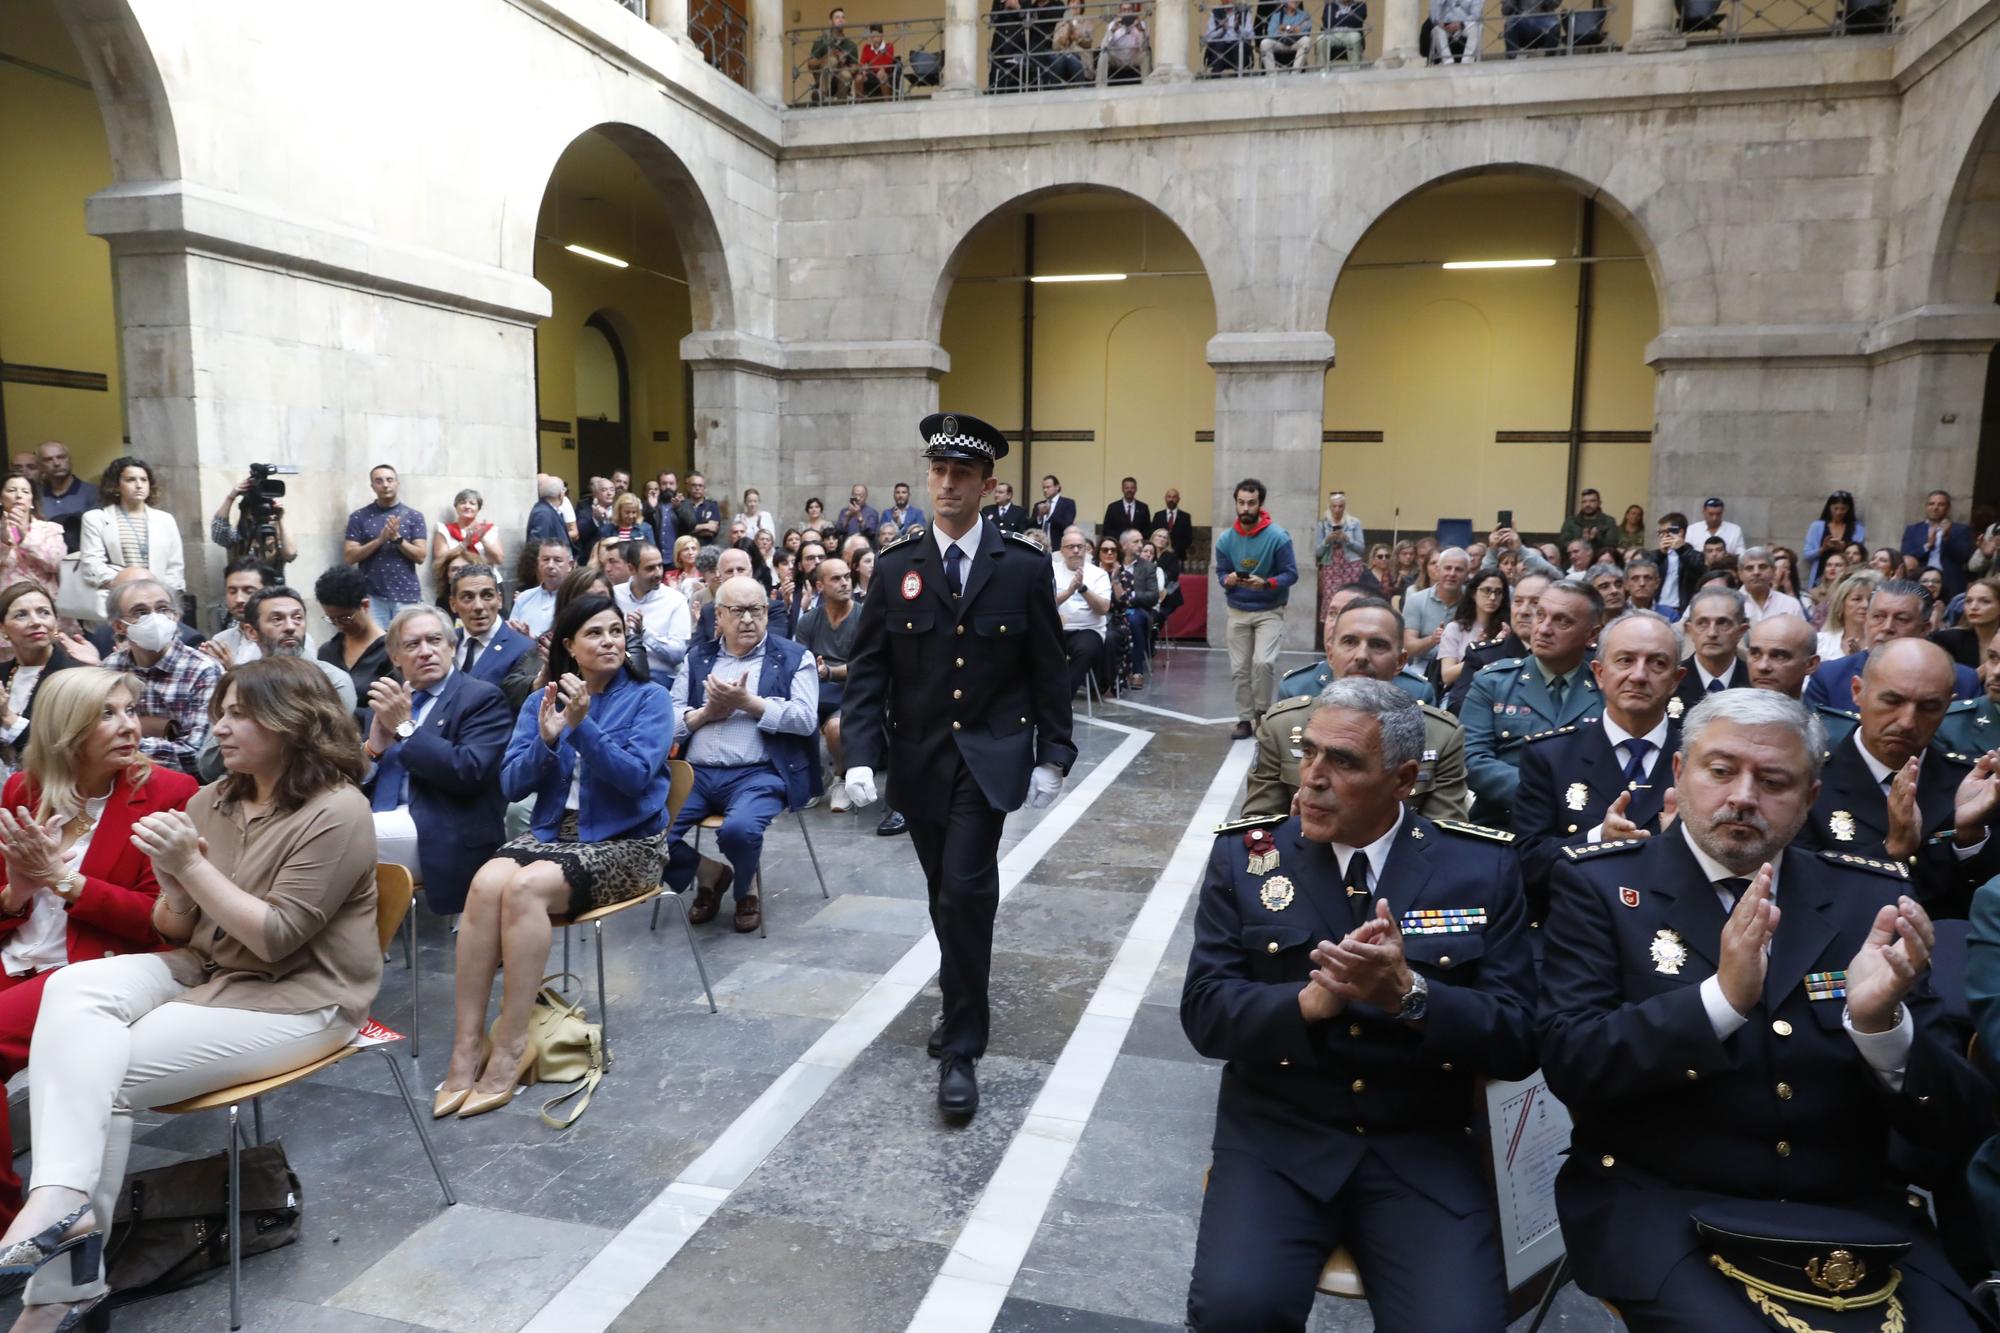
[109,1043]
[1254,640]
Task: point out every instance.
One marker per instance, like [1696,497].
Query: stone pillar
[1400,25]
[1925,399]
[1654,27]
[961,48]
[669,16]
[1170,40]
[1270,414]
[768,75]
[736,387]
[851,414]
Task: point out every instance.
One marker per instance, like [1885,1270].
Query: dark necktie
[471,654]
[1557,688]
[1359,903]
[391,782]
[1636,751]
[1735,888]
[953,558]
[1716,686]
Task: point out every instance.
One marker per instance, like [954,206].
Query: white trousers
[110,1042]
[396,840]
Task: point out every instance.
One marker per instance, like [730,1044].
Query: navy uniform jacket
[1982,989]
[1569,778]
[1509,702]
[1691,691]
[1309,1099]
[1014,517]
[1833,683]
[980,674]
[1852,815]
[1667,1115]
[453,763]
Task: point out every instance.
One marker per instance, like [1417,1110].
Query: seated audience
[487,646]
[1479,618]
[1609,580]
[39,650]
[1287,36]
[1127,45]
[534,608]
[657,620]
[1980,616]
[1847,613]
[1518,697]
[531,672]
[358,647]
[242,579]
[276,618]
[1148,589]
[107,638]
[1083,600]
[1758,568]
[1073,47]
[827,632]
[128,531]
[747,707]
[1642,586]
[1342,24]
[434,745]
[1455,37]
[267,892]
[1897,609]
[591,748]
[1714,625]
[31,548]
[1781,655]
[175,680]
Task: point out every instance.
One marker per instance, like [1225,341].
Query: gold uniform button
[958,661]
[1284,1062]
[1446,1066]
[958,694]
[1692,1076]
[954,725]
[1353,1029]
[1572,828]
[909,624]
[1784,1092]
[1360,1130]
[1270,946]
[959,630]
[1358,1086]
[1781,1027]
[1608,1160]
[1444,960]
[1784,1148]
[1003,629]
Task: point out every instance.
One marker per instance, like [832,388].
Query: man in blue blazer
[1897,609]
[487,648]
[434,750]
[1939,543]
[1056,514]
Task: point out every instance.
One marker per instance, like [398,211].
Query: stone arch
[1963,256]
[132,97]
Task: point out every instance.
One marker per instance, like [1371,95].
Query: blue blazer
[1957,549]
[1832,685]
[622,746]
[507,648]
[453,763]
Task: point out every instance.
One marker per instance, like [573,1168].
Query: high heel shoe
[21,1260]
[479,1103]
[92,1315]
[447,1100]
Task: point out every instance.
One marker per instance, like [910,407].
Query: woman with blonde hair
[267,901]
[1846,610]
[683,575]
[628,521]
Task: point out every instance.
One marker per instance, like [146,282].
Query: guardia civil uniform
[1274,774]
[1316,676]
[1971,726]
[1510,701]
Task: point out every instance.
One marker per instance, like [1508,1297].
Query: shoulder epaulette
[1026,541]
[1893,869]
[1504,664]
[903,540]
[1576,852]
[1474,830]
[1291,703]
[1307,669]
[1848,713]
[1554,731]
[1441,714]
[1255,821]
[1957,706]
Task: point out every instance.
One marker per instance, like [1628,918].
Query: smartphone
[1506,519]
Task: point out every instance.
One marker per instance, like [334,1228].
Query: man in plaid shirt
[176,680]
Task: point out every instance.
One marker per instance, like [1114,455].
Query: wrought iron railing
[869,62]
[1750,20]
[1034,46]
[1460,32]
[723,36]
[1243,40]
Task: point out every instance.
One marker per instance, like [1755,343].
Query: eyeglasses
[742,612]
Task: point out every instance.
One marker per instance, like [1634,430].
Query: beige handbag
[568,1048]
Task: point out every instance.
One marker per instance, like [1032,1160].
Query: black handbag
[171,1226]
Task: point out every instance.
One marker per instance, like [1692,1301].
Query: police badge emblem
[1841,824]
[1578,796]
[1275,893]
[1675,708]
[1668,953]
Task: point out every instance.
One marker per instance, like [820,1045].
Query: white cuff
[1596,834]
[1722,1015]
[1967,853]
[1887,1053]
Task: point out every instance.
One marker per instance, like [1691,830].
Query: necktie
[1734,887]
[1356,882]
[471,654]
[392,784]
[1636,751]
[1558,687]
[1716,686]
[953,557]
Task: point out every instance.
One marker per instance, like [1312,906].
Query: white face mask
[152,631]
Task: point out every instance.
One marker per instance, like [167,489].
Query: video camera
[258,518]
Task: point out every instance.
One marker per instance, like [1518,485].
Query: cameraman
[252,535]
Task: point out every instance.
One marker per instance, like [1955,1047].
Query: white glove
[1044,785]
[861,786]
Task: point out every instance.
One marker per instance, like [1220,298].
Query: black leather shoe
[1241,732]
[934,1048]
[892,824]
[958,1087]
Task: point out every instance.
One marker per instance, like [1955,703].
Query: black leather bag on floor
[170,1227]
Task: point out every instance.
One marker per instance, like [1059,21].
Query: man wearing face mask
[175,679]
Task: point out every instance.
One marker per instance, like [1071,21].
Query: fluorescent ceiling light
[1078,277]
[1487,263]
[612,260]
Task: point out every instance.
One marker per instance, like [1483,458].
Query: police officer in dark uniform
[1737,1023]
[1358,966]
[960,654]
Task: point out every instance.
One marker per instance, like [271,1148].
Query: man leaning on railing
[1073,47]
[832,60]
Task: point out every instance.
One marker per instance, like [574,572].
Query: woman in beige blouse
[267,884]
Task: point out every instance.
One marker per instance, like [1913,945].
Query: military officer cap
[1831,1265]
[956,435]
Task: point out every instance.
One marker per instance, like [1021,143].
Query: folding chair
[715,822]
[392,904]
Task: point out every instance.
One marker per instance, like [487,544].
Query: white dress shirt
[1731,534]
[1618,736]
[42,941]
[536,608]
[1376,851]
[1881,772]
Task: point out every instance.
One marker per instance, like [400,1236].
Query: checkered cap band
[969,442]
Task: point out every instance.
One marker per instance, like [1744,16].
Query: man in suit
[1938,543]
[958,673]
[1889,791]
[1359,967]
[487,648]
[1364,637]
[1783,653]
[1519,697]
[1128,512]
[545,520]
[1736,1022]
[434,749]
[1004,513]
[1680,564]
[906,516]
[1715,622]
[1179,527]
[1056,513]
[1593,782]
[1897,609]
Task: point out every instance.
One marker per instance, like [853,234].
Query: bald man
[1888,792]
[1784,650]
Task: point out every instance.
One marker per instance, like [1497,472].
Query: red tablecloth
[1190,618]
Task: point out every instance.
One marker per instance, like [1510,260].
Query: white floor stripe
[596,1296]
[985,1259]
[1168,712]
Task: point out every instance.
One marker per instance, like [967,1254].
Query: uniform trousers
[960,856]
[111,1042]
[748,799]
[1255,639]
[1697,1299]
[1264,1239]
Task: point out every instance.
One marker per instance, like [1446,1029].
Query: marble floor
[781,1164]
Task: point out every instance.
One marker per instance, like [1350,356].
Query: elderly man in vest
[746,707]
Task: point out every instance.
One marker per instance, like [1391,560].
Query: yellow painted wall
[56,302]
[1439,361]
[1124,360]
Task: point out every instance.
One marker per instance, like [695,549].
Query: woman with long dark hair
[1837,527]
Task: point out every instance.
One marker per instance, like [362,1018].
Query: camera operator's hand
[243,486]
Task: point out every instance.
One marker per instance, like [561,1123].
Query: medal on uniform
[1668,953]
[1275,893]
[1826,985]
[1675,708]
[1841,825]
[913,584]
[1263,855]
[1579,796]
[1630,897]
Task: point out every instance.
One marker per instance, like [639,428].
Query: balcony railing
[1232,41]
[723,36]
[1457,32]
[875,62]
[1036,47]
[1750,20]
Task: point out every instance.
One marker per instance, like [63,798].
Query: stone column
[1170,40]
[1926,394]
[1400,25]
[736,386]
[1270,413]
[851,414]
[669,16]
[961,48]
[1654,28]
[768,75]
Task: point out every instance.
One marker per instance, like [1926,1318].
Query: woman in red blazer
[72,885]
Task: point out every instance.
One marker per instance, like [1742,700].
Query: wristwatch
[69,887]
[406,728]
[1417,1002]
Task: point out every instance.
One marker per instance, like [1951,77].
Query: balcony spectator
[875,73]
[831,62]
[1935,542]
[468,535]
[1073,48]
[1287,36]
[1128,46]
[1530,25]
[1010,49]
[386,539]
[31,548]
[129,531]
[1455,41]
[1342,26]
[66,497]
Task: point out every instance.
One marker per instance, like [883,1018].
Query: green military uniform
[1510,701]
[1310,679]
[1970,726]
[1840,724]
[1440,792]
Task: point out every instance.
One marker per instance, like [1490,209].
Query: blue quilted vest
[795,757]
